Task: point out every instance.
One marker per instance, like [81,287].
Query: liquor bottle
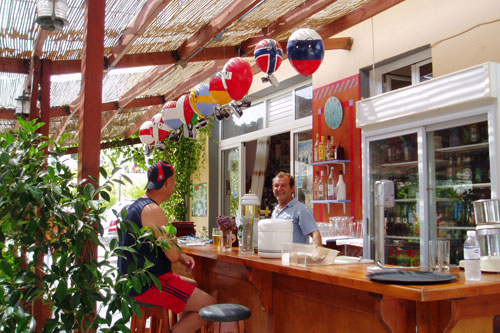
[327,148]
[332,150]
[450,170]
[316,148]
[315,186]
[474,133]
[472,257]
[341,190]
[331,189]
[321,150]
[340,153]
[321,186]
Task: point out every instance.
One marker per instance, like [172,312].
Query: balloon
[217,90]
[160,129]
[237,77]
[146,133]
[169,115]
[305,51]
[201,101]
[184,111]
[268,55]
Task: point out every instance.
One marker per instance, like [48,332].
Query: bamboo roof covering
[155,50]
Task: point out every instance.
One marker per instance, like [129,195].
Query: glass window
[303,167]
[230,181]
[251,120]
[303,102]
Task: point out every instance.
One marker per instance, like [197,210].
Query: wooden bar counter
[340,298]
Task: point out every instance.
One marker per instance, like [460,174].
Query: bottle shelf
[460,186]
[343,202]
[343,162]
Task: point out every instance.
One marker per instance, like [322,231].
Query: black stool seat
[225,312]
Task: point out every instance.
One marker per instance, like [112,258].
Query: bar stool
[225,313]
[159,322]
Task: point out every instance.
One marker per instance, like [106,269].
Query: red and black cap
[158,173]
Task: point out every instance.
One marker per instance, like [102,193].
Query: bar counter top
[288,298]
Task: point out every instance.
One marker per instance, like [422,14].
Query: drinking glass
[439,255]
[217,237]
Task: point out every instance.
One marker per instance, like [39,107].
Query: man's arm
[153,216]
[316,238]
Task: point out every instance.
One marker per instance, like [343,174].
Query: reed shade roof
[174,22]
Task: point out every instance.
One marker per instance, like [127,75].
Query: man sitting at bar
[178,293]
[290,208]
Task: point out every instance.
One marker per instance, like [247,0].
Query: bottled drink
[316,148]
[331,189]
[472,257]
[341,190]
[332,150]
[327,148]
[450,171]
[321,186]
[315,186]
[321,149]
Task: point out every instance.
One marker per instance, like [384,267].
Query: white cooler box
[272,234]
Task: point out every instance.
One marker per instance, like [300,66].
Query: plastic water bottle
[472,256]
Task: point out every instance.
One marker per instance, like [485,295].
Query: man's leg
[190,320]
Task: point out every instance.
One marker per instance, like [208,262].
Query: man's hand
[187,261]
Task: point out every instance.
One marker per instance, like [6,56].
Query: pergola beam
[135,29]
[287,22]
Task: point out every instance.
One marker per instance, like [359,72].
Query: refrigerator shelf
[466,148]
[461,186]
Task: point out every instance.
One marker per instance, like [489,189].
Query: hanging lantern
[268,55]
[146,133]
[169,115]
[23,104]
[52,14]
[217,90]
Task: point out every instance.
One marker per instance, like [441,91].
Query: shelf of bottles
[460,175]
[327,189]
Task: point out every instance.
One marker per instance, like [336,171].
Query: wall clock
[334,113]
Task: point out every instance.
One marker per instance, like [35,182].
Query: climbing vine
[186,156]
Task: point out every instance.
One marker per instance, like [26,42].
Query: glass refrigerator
[441,156]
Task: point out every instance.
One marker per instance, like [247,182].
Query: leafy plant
[44,212]
[186,156]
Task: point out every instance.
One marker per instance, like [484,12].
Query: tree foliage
[44,211]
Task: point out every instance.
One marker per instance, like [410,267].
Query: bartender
[290,208]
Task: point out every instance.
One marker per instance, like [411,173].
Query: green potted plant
[49,228]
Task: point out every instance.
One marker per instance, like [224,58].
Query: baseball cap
[158,173]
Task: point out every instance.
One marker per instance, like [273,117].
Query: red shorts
[174,293]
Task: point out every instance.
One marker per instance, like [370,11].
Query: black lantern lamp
[52,14]
[23,104]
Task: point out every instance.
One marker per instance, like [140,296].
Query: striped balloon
[184,110]
[201,101]
[146,133]
[169,115]
[160,129]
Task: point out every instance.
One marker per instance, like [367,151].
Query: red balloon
[217,90]
[237,77]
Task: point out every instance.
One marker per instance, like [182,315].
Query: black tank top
[157,256]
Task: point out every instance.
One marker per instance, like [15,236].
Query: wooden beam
[365,12]
[45,98]
[141,86]
[287,22]
[107,145]
[229,15]
[90,116]
[14,65]
[342,43]
[135,29]
[32,84]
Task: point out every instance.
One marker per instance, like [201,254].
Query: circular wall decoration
[334,113]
